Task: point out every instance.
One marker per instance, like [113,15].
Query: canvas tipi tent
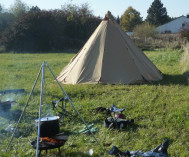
[109,57]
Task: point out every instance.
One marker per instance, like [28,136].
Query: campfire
[47,143]
[48,139]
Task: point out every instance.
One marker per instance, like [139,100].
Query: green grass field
[160,109]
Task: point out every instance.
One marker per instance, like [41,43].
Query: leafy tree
[1,9]
[157,14]
[130,19]
[6,19]
[19,8]
[74,11]
[80,20]
[35,9]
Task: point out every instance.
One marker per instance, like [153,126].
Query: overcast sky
[174,8]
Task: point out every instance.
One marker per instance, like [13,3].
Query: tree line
[26,29]
[30,29]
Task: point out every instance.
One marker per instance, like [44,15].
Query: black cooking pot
[49,126]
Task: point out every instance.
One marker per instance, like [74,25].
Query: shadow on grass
[174,80]
[133,127]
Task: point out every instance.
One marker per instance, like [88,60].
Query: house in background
[174,26]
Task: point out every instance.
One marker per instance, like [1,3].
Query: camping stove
[47,143]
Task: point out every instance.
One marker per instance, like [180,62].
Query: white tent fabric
[109,57]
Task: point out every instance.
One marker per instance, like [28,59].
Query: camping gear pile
[118,120]
[159,151]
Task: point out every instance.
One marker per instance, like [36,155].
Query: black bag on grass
[117,123]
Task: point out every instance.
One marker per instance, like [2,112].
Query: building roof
[173,26]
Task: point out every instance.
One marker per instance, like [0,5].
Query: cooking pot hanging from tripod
[49,126]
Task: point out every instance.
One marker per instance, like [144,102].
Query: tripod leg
[39,153]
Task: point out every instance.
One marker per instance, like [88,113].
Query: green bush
[145,31]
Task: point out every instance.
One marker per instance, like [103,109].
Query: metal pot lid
[48,118]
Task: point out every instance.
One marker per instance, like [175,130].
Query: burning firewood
[48,139]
